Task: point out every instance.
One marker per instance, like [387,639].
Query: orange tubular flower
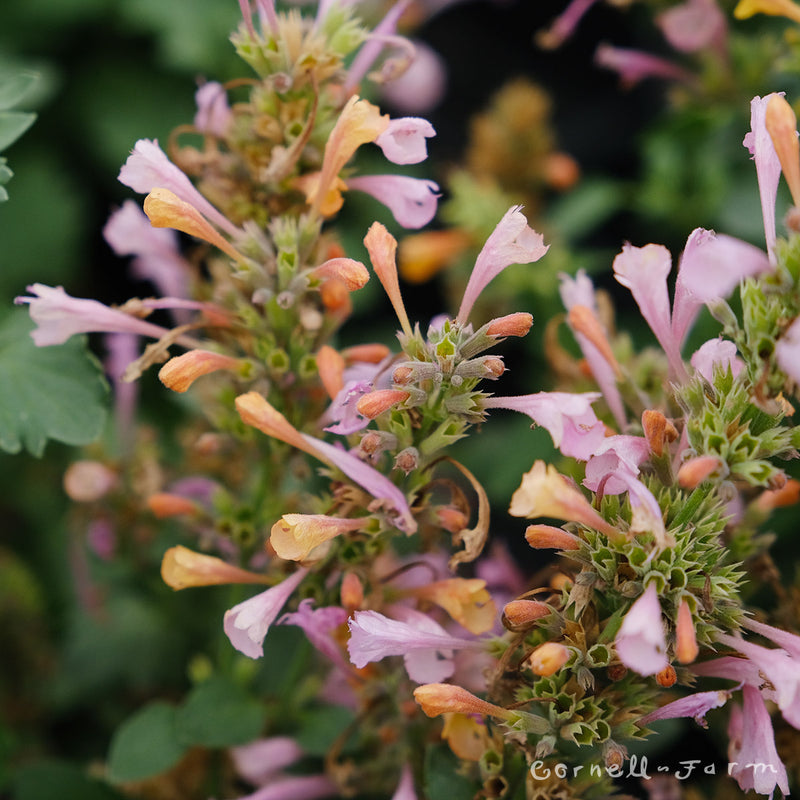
[373,404]
[440,698]
[686,649]
[548,537]
[330,365]
[181,372]
[182,568]
[545,493]
[167,210]
[382,249]
[294,536]
[466,600]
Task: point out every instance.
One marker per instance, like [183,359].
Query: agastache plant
[325,475]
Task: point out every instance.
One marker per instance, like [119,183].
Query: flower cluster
[325,475]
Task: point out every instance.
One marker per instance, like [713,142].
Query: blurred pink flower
[634,66]
[694,25]
[213,115]
[422,86]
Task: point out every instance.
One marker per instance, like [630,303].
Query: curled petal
[412,201]
[511,242]
[403,140]
[466,600]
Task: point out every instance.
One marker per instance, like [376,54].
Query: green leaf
[146,744]
[218,713]
[12,125]
[14,88]
[321,727]
[47,392]
[442,777]
[46,779]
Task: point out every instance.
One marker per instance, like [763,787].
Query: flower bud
[181,372]
[781,124]
[439,698]
[516,324]
[695,470]
[373,404]
[519,615]
[351,592]
[559,581]
[658,431]
[87,481]
[686,649]
[667,677]
[353,274]
[166,504]
[452,519]
[616,672]
[561,171]
[407,460]
[414,371]
[548,537]
[548,658]
[373,443]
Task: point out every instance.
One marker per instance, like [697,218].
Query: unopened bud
[491,367]
[561,171]
[667,677]
[616,672]
[414,371]
[494,367]
[182,568]
[559,581]
[787,495]
[181,372]
[519,615]
[658,430]
[517,324]
[548,658]
[439,698]
[614,755]
[686,649]
[373,404]
[452,519]
[366,353]
[407,460]
[353,274]
[548,537]
[165,505]
[375,442]
[352,592]
[781,124]
[87,481]
[700,468]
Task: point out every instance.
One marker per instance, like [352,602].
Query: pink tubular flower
[615,455]
[694,705]
[59,316]
[213,115]
[155,250]
[634,66]
[256,411]
[787,351]
[403,141]
[716,353]
[579,291]
[301,787]
[511,242]
[753,759]
[422,86]
[148,168]
[711,267]
[768,166]
[564,25]
[427,648]
[412,201]
[569,419]
[318,625]
[694,25]
[640,643]
[405,786]
[247,624]
[257,762]
[644,271]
